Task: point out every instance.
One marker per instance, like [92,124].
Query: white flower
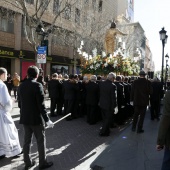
[97,65]
[106,64]
[91,66]
[115,64]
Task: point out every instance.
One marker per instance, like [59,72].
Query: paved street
[132,151]
[71,145]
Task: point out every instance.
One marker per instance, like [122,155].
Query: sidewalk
[132,151]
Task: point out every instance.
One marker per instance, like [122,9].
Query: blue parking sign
[41,54]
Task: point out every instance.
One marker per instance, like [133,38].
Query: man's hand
[131,103]
[159,147]
[50,124]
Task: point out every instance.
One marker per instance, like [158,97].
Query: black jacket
[92,93]
[54,88]
[141,89]
[120,94]
[107,99]
[31,103]
[70,89]
[157,90]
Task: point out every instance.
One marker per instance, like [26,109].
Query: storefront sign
[21,55]
[6,53]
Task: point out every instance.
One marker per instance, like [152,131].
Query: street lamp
[44,42]
[166,71]
[163,37]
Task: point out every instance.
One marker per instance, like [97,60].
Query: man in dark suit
[120,100]
[54,88]
[92,100]
[141,89]
[33,117]
[107,103]
[155,98]
[70,87]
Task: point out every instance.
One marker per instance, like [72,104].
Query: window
[67,12]
[30,1]
[56,6]
[77,16]
[6,25]
[100,5]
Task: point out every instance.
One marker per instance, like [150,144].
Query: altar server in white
[9,141]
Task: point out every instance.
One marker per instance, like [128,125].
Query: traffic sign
[41,54]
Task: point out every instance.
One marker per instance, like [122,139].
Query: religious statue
[110,38]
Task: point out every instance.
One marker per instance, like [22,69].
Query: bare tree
[34,16]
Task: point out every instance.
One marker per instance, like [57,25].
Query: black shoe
[133,129]
[29,166]
[140,131]
[47,165]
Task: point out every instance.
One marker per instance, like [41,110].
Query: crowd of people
[111,99]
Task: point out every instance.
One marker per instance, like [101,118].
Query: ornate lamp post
[163,37]
[166,71]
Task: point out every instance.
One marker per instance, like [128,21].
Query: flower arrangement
[103,65]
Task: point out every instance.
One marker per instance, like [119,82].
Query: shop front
[27,58]
[7,57]
[63,65]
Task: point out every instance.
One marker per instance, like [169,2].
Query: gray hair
[155,79]
[85,78]
[93,78]
[66,76]
[111,75]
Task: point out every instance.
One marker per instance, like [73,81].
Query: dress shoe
[47,165]
[29,166]
[140,131]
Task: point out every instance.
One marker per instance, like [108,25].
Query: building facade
[85,20]
[16,53]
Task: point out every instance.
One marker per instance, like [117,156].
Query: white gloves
[50,124]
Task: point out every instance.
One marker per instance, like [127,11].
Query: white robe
[9,141]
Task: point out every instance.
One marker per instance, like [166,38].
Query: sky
[153,15]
